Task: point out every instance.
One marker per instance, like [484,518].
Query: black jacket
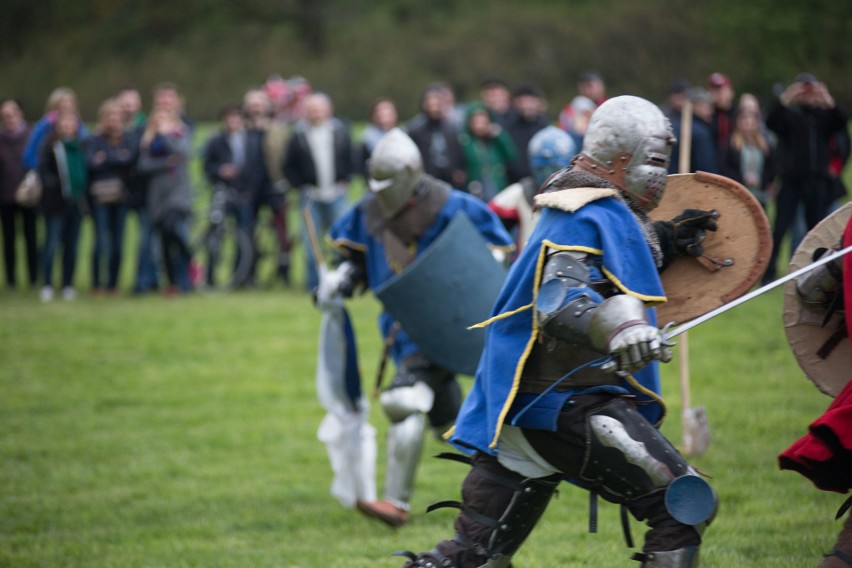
[444,160]
[254,177]
[803,137]
[521,131]
[299,167]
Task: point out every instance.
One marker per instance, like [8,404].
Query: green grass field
[143,432]
[150,432]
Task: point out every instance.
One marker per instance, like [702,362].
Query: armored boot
[680,558]
[841,556]
[498,511]
[384,511]
[405,441]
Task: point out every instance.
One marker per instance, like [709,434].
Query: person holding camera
[804,118]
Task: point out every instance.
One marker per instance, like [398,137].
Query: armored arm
[571,310]
[819,289]
[334,285]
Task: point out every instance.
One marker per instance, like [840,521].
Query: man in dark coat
[804,118]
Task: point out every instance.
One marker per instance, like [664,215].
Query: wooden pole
[313,237]
[683,348]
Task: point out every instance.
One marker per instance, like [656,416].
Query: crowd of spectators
[284,140]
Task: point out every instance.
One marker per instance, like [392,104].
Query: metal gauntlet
[818,289]
[619,327]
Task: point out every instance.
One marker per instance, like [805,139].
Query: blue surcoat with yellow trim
[350,232]
[607,231]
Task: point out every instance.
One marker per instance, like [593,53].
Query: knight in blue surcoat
[381,236]
[568,386]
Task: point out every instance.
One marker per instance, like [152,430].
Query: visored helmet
[550,150]
[629,142]
[394,169]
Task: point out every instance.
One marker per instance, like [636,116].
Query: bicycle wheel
[224,253]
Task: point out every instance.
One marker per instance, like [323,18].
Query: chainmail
[569,179]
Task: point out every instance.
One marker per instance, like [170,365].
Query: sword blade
[672,333]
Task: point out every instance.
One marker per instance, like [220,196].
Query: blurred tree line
[358,50]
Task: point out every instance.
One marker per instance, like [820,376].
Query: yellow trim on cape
[504,315]
[449,433]
[502,248]
[342,244]
[589,250]
[548,244]
[516,381]
[650,300]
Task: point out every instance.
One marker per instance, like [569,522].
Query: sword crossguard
[666,335]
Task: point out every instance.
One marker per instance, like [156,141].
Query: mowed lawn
[143,432]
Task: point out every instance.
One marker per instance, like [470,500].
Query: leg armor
[405,403]
[606,446]
[406,407]
[405,442]
[498,512]
[630,462]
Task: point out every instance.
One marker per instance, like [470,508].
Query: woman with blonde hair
[61,99]
[110,156]
[164,153]
[750,157]
[62,169]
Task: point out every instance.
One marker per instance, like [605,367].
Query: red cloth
[824,455]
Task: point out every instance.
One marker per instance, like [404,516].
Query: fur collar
[572,199]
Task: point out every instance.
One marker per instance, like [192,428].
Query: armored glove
[821,289]
[334,285]
[619,327]
[684,234]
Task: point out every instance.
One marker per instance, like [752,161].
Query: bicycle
[222,254]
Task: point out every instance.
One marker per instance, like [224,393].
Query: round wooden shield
[820,347]
[735,256]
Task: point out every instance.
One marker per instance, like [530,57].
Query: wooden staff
[695,432]
[313,238]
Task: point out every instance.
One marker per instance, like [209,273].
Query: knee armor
[627,458]
[401,402]
[629,461]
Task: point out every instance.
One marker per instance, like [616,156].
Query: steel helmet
[550,150]
[394,169]
[628,143]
